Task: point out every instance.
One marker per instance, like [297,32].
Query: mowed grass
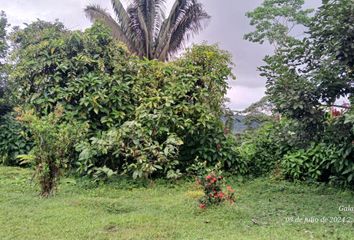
[124,210]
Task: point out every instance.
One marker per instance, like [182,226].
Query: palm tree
[143,27]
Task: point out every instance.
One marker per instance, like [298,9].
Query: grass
[265,209]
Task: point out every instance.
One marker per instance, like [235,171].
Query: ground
[265,209]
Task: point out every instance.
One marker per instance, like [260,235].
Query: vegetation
[215,193]
[264,209]
[145,118]
[151,119]
[305,78]
[50,157]
[4,105]
[143,27]
[276,22]
[14,140]
[127,132]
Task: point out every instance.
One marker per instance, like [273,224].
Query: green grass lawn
[123,210]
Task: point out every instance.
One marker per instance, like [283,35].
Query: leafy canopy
[144,117]
[4,104]
[276,21]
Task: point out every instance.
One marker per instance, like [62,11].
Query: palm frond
[160,10]
[96,13]
[185,19]
[121,13]
[147,32]
[138,34]
[190,24]
[167,25]
[145,29]
[150,16]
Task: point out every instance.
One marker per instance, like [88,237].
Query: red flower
[221,195]
[208,177]
[335,112]
[202,205]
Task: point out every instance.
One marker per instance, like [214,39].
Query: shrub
[261,150]
[330,158]
[139,153]
[320,162]
[14,140]
[142,115]
[54,142]
[214,193]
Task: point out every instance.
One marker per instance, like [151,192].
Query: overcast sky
[227,27]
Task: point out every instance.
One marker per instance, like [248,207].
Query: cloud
[241,96]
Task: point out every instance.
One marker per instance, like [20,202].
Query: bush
[142,115]
[14,140]
[330,159]
[140,154]
[313,163]
[214,193]
[54,144]
[320,162]
[262,149]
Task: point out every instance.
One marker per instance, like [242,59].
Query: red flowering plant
[214,193]
[335,112]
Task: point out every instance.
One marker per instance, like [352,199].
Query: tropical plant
[4,103]
[215,192]
[145,118]
[143,27]
[320,162]
[259,150]
[307,75]
[276,21]
[312,73]
[54,142]
[139,153]
[14,140]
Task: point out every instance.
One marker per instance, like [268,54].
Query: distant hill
[239,124]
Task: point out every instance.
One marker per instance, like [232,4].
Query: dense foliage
[13,136]
[121,114]
[305,79]
[4,104]
[145,118]
[14,140]
[53,148]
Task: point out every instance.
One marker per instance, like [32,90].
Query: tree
[319,69]
[147,118]
[276,20]
[261,106]
[4,106]
[143,27]
[307,75]
[259,112]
